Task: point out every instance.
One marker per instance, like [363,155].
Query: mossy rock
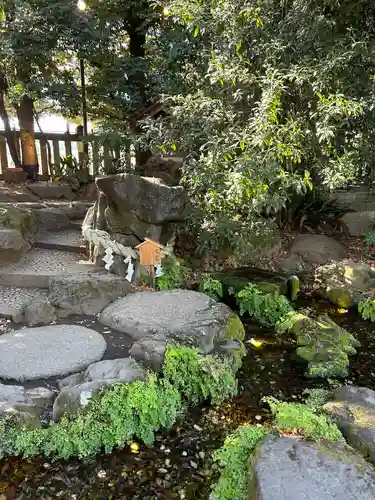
[23,220]
[324,345]
[344,283]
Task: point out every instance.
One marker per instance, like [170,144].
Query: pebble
[184,453]
[193,464]
[163,471]
[201,455]
[197,428]
[258,417]
[167,462]
[102,474]
[162,447]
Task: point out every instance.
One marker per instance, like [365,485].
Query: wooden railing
[51,147]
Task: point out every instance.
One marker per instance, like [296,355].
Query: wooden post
[3,156]
[56,152]
[44,157]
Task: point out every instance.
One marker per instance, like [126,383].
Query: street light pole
[84,102]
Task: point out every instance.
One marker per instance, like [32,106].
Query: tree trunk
[5,118]
[137,41]
[26,121]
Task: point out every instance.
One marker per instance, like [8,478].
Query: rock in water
[39,312]
[353,409]
[26,405]
[343,283]
[188,317]
[77,389]
[33,353]
[288,469]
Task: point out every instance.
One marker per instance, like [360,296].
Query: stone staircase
[58,249]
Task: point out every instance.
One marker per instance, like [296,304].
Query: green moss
[292,417]
[341,297]
[322,343]
[234,328]
[233,457]
[267,287]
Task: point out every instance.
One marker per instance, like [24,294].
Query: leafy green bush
[366,309]
[233,456]
[198,377]
[292,417]
[175,275]
[267,308]
[212,287]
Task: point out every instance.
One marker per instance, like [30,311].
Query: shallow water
[179,465]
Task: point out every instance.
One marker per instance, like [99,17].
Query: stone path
[33,353]
[68,240]
[39,265]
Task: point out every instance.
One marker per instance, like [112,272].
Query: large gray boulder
[343,283]
[78,389]
[13,246]
[317,248]
[284,468]
[187,317]
[26,405]
[147,198]
[353,409]
[86,294]
[131,208]
[48,351]
[359,223]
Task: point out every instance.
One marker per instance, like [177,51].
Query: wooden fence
[51,147]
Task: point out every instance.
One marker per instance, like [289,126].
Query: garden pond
[179,465]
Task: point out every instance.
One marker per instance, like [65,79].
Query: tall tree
[281,96]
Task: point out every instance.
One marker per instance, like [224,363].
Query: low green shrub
[233,456]
[111,419]
[366,309]
[212,287]
[369,240]
[125,411]
[317,397]
[297,417]
[175,274]
[198,377]
[267,308]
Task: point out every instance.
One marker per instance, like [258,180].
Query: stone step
[37,267]
[13,300]
[68,240]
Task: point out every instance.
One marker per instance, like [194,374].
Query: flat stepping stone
[182,315]
[37,267]
[69,240]
[48,351]
[13,300]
